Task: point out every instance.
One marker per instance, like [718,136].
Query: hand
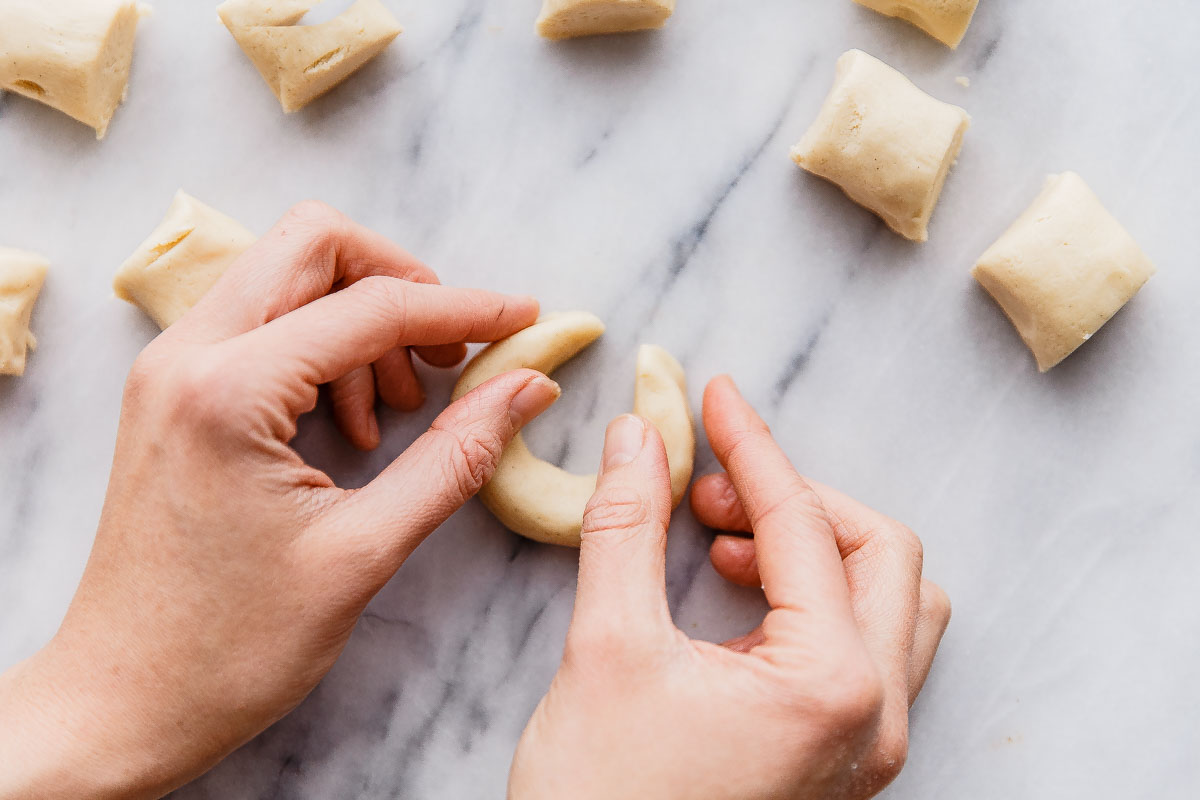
[227,574]
[812,704]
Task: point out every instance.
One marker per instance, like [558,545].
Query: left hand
[227,574]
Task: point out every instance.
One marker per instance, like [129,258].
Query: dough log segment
[302,62]
[539,500]
[72,55]
[945,20]
[887,144]
[180,260]
[567,19]
[21,277]
[1063,269]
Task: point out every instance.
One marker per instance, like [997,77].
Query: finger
[716,504]
[382,523]
[311,250]
[397,380]
[622,560]
[443,355]
[747,642]
[359,324]
[882,561]
[797,554]
[353,400]
[932,621]
[735,558]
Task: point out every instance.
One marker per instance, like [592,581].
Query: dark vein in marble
[684,248]
[467,24]
[798,361]
[594,150]
[986,54]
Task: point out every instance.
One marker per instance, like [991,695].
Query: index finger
[310,251]
[798,556]
[340,332]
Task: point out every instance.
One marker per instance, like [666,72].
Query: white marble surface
[646,178]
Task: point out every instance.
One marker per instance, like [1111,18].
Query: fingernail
[624,440]
[373,428]
[537,395]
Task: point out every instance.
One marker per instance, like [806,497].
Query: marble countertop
[646,178]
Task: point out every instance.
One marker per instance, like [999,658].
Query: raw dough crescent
[72,55]
[539,500]
[302,62]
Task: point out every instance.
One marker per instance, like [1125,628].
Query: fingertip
[442,356]
[624,440]
[735,559]
[535,396]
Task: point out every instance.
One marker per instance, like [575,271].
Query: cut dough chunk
[944,20]
[72,55]
[566,19]
[539,500]
[1063,269]
[302,62]
[887,144]
[21,278]
[181,259]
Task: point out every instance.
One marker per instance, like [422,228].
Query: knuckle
[853,694]
[315,214]
[617,508]
[902,538]
[889,755]
[199,393]
[937,601]
[142,375]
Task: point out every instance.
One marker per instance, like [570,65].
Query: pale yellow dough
[1063,269]
[72,55]
[944,20]
[181,259]
[566,19]
[21,277]
[887,144]
[536,498]
[302,62]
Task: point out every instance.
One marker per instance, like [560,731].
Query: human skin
[227,574]
[811,704]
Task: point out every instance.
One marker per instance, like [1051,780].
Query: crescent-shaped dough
[539,500]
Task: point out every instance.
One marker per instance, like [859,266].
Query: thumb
[441,470]
[622,591]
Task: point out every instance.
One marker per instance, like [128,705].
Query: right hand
[812,704]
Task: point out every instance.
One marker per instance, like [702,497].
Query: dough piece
[72,55]
[302,62]
[566,19]
[539,500]
[181,259]
[944,20]
[887,144]
[1063,269]
[21,278]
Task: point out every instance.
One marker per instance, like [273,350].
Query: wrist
[64,737]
